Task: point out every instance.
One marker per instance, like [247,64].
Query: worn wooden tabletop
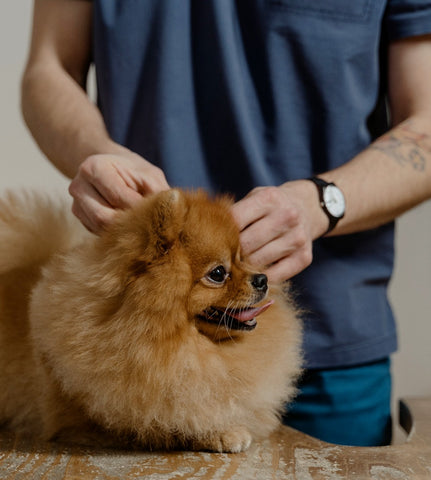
[287,454]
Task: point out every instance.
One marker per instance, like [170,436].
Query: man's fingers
[289,266]
[140,175]
[271,252]
[290,251]
[278,223]
[108,182]
[99,172]
[82,217]
[116,193]
[274,232]
[90,207]
[247,211]
[146,179]
[257,235]
[282,271]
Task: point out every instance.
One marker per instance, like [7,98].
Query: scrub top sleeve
[408,18]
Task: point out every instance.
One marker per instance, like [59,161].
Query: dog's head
[180,261]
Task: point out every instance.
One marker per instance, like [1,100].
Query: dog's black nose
[260,282]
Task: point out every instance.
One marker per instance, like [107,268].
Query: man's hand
[105,183]
[278,226]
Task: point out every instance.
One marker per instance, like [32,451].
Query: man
[254,98]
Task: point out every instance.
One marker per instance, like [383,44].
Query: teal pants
[345,406]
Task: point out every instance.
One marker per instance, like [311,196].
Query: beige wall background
[23,166]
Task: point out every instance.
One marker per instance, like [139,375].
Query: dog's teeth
[250,323]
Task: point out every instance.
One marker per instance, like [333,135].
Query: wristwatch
[331,200]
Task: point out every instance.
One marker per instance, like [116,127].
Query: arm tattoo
[406,147]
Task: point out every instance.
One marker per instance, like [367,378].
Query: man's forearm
[406,146]
[386,179]
[67,126]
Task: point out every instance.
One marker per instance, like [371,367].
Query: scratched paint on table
[286,455]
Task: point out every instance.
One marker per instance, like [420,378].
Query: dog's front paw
[233,441]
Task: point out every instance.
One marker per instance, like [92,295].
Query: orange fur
[106,334]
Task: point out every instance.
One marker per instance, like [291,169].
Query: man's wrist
[331,200]
[305,192]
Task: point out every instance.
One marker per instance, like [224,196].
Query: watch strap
[321,185]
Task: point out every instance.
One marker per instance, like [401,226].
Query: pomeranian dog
[155,334]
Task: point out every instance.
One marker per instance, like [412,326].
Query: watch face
[334,201]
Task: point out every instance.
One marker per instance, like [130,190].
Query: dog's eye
[218,275]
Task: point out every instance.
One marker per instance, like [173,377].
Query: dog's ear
[159,221]
[142,234]
[167,219]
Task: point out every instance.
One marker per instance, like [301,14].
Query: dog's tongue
[250,313]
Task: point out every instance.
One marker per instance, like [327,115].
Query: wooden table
[286,455]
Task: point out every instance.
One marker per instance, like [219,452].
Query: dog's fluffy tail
[32,228]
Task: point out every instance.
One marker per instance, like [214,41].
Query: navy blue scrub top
[229,95]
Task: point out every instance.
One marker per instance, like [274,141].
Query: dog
[156,333]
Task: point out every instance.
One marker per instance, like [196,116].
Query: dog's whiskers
[224,319]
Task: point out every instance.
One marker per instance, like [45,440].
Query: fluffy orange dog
[146,334]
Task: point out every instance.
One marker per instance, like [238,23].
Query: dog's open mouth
[235,318]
